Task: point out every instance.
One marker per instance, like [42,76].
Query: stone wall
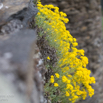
[21,66]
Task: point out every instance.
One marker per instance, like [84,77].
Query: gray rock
[18,46]
[24,10]
[19,64]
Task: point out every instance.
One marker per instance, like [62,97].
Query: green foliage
[71,80]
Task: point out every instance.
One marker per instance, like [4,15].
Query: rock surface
[13,9]
[19,67]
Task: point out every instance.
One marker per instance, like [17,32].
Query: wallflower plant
[71,80]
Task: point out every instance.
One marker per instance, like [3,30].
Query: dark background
[102,5]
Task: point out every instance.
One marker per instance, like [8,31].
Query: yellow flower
[50,6]
[75,97]
[63,14]
[75,44]
[70,39]
[52,76]
[52,79]
[56,85]
[69,86]
[74,49]
[38,13]
[68,81]
[66,20]
[81,52]
[57,75]
[69,76]
[67,94]
[48,58]
[71,60]
[39,5]
[74,39]
[92,80]
[64,78]
[84,94]
[65,69]
[84,60]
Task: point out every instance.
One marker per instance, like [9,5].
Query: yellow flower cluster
[48,58]
[71,66]
[52,79]
[57,75]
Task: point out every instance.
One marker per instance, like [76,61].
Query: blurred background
[102,5]
[102,11]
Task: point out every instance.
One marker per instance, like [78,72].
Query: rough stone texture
[8,8]
[24,10]
[20,65]
[8,94]
[12,26]
[85,25]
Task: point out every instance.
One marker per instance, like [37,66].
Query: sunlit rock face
[20,61]
[10,7]
[22,66]
[16,9]
[16,14]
